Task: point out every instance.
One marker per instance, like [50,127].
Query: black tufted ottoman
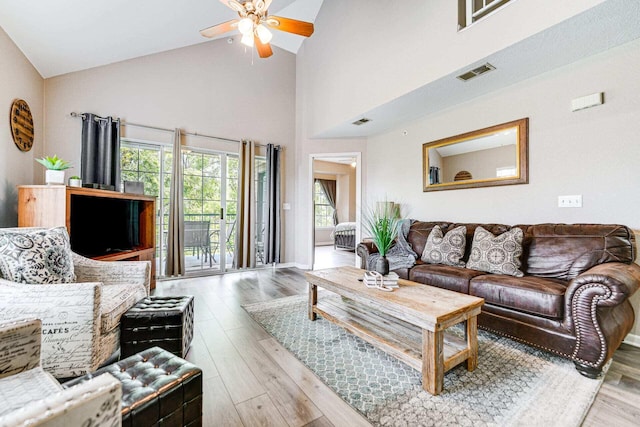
[158,389]
[165,322]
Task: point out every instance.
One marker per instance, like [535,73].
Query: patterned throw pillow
[447,249]
[36,256]
[497,254]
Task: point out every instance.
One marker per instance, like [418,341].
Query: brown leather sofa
[573,299]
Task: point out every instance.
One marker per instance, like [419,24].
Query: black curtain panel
[100,152]
[329,187]
[272,226]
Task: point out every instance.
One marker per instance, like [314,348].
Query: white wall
[213,88]
[18,79]
[591,152]
[364,56]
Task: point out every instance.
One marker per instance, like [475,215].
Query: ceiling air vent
[361,121]
[476,72]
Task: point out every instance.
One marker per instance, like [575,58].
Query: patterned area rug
[513,385]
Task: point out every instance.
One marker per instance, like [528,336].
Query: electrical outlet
[570,201]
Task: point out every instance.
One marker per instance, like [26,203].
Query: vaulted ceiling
[62,36]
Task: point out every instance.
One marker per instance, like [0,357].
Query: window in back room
[470,11]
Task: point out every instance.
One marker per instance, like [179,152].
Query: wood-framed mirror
[497,155]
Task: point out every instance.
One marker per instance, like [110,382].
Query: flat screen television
[101,226]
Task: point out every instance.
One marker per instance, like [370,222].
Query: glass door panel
[230,208]
[209,201]
[261,206]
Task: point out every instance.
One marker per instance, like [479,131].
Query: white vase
[54,177]
[75,182]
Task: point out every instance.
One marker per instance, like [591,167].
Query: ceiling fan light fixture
[263,34]
[245,26]
[247,40]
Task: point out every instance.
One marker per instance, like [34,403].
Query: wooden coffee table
[408,323]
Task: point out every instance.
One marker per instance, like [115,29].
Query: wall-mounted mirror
[497,155]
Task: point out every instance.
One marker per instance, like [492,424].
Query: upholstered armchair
[33,397]
[80,320]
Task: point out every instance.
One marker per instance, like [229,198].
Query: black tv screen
[101,226]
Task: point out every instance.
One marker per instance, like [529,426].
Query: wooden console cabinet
[53,206]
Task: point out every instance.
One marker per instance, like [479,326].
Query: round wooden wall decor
[21,125]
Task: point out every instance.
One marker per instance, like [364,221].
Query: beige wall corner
[18,79]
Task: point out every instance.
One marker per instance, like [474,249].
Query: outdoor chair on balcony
[196,237]
[33,397]
[79,300]
[215,234]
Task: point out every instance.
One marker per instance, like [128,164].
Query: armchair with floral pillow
[79,300]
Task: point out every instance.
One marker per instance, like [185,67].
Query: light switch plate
[286,206]
[574,201]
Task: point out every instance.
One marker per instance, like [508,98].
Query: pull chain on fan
[253,22]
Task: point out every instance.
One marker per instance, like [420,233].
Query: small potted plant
[55,169]
[75,181]
[382,223]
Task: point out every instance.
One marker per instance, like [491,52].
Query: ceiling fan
[253,23]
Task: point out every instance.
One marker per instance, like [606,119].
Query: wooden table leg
[472,342]
[432,361]
[313,300]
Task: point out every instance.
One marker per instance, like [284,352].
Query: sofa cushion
[36,256]
[445,249]
[116,299]
[496,254]
[563,251]
[535,295]
[444,276]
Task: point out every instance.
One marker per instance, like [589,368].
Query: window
[469,11]
[322,208]
[141,163]
[506,171]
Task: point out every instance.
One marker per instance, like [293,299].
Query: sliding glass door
[210,201]
[210,198]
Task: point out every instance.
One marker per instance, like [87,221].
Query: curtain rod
[74,114]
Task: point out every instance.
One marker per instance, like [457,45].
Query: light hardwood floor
[250,379]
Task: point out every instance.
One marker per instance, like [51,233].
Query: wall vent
[361,121]
[476,72]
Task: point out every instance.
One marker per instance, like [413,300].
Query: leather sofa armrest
[618,279]
[598,311]
[364,250]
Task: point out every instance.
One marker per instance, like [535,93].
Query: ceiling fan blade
[264,50]
[233,4]
[259,5]
[216,30]
[294,26]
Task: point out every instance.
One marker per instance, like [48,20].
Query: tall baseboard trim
[633,340]
[285,265]
[303,266]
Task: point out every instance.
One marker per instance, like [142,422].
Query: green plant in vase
[382,224]
[55,169]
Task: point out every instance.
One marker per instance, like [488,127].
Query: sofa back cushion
[563,251]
